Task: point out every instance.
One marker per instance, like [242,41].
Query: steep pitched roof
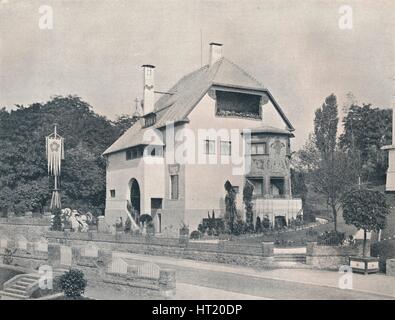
[187,92]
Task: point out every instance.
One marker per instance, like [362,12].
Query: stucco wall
[204,183]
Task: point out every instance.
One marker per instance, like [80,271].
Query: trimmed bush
[195,235]
[56,220]
[73,283]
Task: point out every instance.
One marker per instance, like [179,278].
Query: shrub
[73,283]
[56,220]
[331,238]
[195,235]
[150,228]
[8,256]
[128,225]
[258,225]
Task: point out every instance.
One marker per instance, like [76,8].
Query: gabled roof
[187,92]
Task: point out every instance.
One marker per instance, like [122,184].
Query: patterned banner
[55,153]
[55,200]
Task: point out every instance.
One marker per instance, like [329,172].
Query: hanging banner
[55,153]
[55,200]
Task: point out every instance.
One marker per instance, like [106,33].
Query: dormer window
[150,120]
[236,104]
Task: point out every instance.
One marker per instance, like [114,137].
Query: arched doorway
[135,199]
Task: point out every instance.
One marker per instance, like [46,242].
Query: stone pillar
[167,282]
[390,181]
[53,254]
[390,267]
[267,249]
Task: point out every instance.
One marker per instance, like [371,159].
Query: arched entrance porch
[135,199]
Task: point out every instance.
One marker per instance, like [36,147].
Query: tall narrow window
[209,146]
[226,148]
[112,193]
[174,186]
[128,154]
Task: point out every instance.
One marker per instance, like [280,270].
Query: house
[215,124]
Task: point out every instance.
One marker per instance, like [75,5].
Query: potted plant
[366,210]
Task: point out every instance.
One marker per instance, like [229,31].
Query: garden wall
[30,227]
[332,257]
[147,280]
[260,255]
[384,250]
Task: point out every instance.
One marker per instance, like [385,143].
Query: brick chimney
[215,52]
[148,90]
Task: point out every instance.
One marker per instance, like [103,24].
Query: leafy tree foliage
[331,171]
[325,126]
[366,130]
[366,210]
[24,184]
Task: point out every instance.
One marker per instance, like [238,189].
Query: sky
[297,49]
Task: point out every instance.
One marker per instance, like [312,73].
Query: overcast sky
[295,48]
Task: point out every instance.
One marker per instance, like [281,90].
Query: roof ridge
[245,72]
[190,74]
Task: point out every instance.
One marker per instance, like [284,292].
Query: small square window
[112,193]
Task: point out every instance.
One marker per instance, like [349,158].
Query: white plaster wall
[205,183]
[120,171]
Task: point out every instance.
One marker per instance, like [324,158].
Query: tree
[331,171]
[366,210]
[325,127]
[24,184]
[366,130]
[231,216]
[248,191]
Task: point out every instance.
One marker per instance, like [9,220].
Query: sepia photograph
[200,150]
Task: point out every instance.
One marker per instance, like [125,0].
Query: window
[226,148]
[135,152]
[235,104]
[258,148]
[112,193]
[174,186]
[209,146]
[258,186]
[150,120]
[154,151]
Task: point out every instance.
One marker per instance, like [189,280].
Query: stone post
[390,267]
[53,254]
[267,249]
[101,225]
[167,282]
[184,236]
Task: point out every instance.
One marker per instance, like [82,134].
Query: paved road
[264,288]
[247,284]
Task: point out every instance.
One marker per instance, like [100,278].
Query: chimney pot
[215,52]
[148,90]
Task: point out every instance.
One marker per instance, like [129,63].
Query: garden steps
[290,258]
[18,288]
